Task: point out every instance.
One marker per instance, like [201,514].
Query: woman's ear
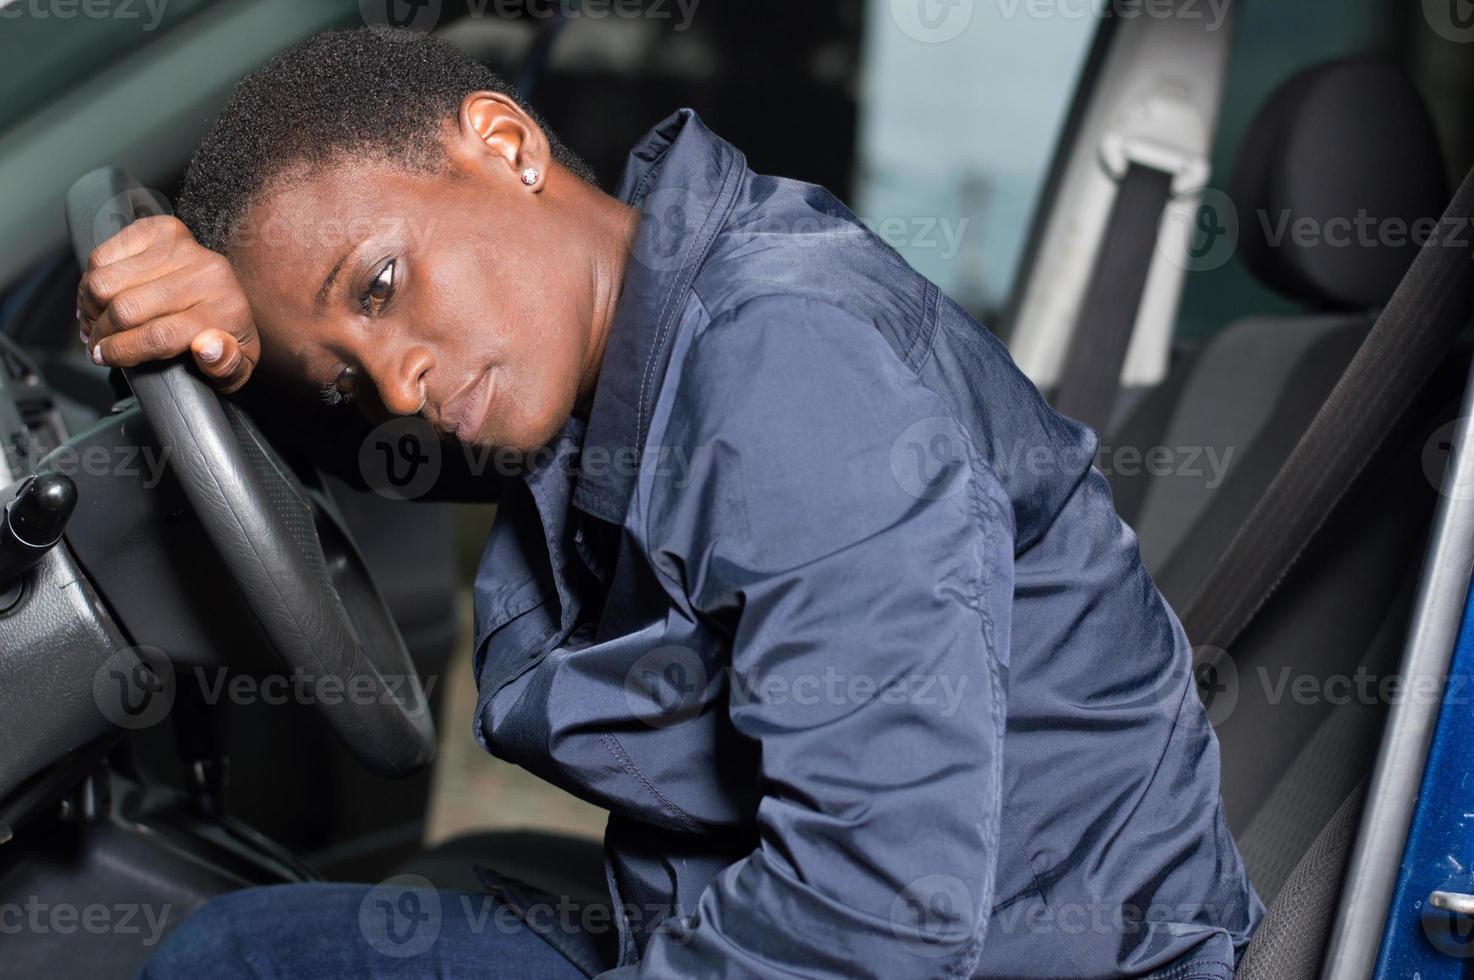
[498,126]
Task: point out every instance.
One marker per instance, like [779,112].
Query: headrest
[1331,181]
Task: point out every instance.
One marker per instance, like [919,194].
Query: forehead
[304,215]
[305,221]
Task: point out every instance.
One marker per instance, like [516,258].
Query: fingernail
[211,349]
[83,335]
[97,354]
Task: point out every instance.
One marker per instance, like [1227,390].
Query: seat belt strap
[1431,306]
[1091,378]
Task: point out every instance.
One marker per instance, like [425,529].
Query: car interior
[1223,360]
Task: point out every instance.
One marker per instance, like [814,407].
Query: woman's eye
[339,391]
[380,290]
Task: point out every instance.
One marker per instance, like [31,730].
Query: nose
[402,378]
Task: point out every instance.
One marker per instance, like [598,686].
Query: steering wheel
[265,526]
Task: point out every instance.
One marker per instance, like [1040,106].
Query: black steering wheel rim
[262,523]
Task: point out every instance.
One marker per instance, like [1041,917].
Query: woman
[797,575]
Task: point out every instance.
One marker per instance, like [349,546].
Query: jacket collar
[684,180]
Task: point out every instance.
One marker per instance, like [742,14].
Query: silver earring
[530,176]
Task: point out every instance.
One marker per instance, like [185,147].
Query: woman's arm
[152,292]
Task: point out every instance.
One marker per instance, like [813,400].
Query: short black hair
[372,92]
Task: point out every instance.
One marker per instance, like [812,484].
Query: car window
[961,107]
[47,46]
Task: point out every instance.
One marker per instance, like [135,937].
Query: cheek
[540,385]
[517,315]
[459,309]
[533,405]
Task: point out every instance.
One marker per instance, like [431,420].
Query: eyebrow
[327,284]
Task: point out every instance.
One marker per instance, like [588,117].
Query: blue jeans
[325,930]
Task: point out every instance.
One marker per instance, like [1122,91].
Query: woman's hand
[152,292]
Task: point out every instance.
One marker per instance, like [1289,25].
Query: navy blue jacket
[831,611]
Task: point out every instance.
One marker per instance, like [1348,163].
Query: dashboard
[56,634]
[31,423]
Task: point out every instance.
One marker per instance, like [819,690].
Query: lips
[465,413]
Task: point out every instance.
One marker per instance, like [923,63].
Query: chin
[528,437]
[524,418]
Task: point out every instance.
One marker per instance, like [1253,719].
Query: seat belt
[1431,306]
[1091,377]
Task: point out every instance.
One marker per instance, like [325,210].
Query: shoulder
[798,241]
[799,364]
[792,428]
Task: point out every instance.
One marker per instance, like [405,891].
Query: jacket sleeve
[839,524]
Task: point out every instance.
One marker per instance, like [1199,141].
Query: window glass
[961,105]
[47,46]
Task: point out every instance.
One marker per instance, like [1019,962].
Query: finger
[101,286]
[159,232]
[142,304]
[156,340]
[220,357]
